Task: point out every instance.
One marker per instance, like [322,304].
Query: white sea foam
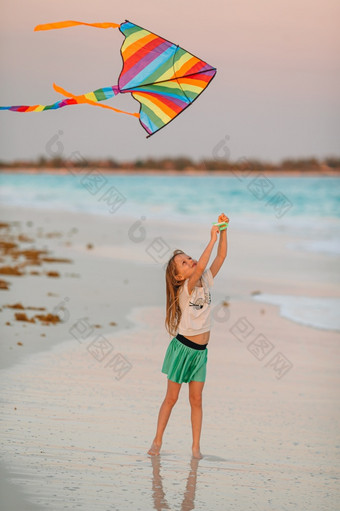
[316,312]
[327,246]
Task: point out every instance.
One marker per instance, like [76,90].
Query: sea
[307,208]
[261,201]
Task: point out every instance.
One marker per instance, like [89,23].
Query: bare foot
[196,453]
[155,448]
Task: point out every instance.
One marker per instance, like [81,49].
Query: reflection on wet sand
[158,494]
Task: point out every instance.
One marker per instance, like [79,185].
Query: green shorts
[183,364]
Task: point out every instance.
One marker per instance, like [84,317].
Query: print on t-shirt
[199,302]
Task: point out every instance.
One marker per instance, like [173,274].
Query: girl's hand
[223,218]
[214,232]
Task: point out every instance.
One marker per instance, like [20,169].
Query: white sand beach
[80,397]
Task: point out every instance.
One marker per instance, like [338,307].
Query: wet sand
[81,395]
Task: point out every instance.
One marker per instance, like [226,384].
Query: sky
[275,94]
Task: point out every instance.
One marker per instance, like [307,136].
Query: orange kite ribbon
[83,99]
[70,23]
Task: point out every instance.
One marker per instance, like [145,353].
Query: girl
[188,298]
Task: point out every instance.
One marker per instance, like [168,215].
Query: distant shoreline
[172,172]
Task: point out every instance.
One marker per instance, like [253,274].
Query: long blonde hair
[173,311]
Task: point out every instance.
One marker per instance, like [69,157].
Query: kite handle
[222,225]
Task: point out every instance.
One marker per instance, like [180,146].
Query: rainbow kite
[161,76]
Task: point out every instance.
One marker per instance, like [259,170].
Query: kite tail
[91,98]
[70,23]
[40,108]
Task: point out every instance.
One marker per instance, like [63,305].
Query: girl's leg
[195,398]
[164,414]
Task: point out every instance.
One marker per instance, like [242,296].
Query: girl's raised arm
[203,260]
[222,248]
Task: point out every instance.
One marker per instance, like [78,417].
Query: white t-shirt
[196,307]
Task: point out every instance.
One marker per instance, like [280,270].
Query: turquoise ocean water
[302,205]
[305,208]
